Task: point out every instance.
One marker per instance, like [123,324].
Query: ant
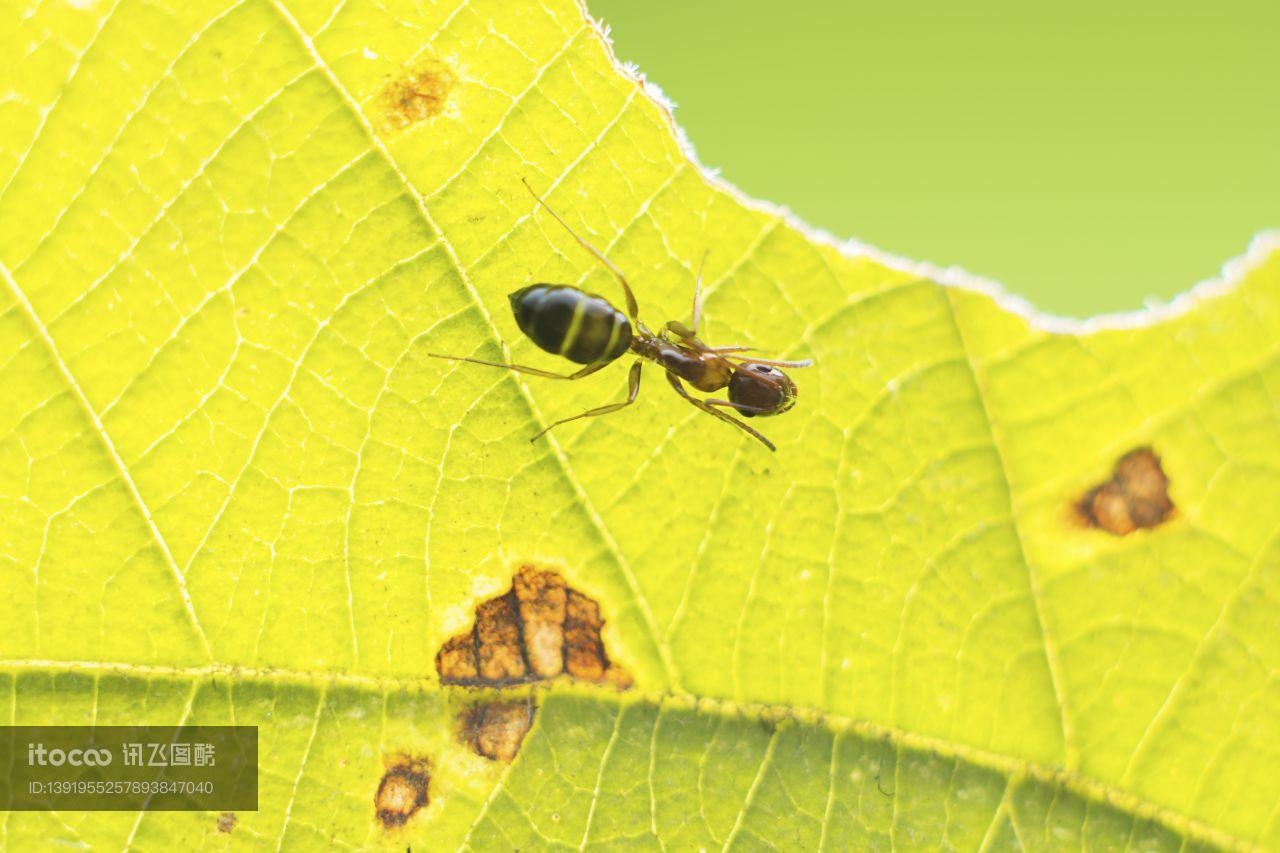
[587,329]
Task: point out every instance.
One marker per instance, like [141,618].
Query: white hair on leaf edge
[1263,245]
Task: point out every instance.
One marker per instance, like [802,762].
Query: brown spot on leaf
[419,93]
[495,730]
[1136,496]
[539,629]
[542,597]
[403,789]
[227,821]
[584,655]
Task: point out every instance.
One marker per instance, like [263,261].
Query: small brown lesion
[404,789]
[1136,496]
[495,730]
[540,629]
[419,93]
[226,822]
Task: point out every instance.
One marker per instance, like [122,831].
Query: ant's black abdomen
[566,321]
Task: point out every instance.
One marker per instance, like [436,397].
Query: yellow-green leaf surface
[233,486]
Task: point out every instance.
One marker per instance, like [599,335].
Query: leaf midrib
[1011,768]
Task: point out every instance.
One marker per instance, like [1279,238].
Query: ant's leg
[697,292]
[633,389]
[808,362]
[680,330]
[632,309]
[737,407]
[688,333]
[714,412]
[520,368]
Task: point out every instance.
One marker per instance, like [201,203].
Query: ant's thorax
[690,360]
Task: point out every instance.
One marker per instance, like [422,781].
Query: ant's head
[757,388]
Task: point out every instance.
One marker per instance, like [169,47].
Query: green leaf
[234,486]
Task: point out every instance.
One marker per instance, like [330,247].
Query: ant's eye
[762,368]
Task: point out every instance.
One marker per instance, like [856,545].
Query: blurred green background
[1087,155]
